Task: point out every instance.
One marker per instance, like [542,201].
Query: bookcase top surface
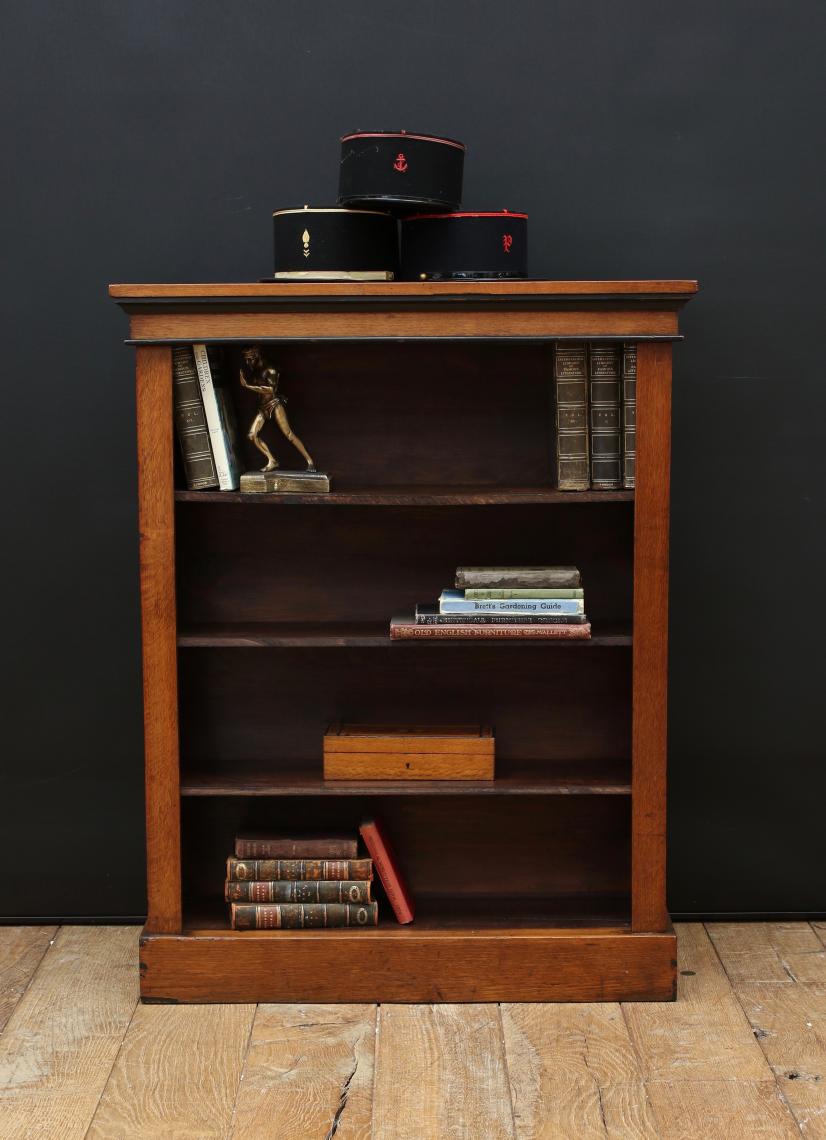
[501,290]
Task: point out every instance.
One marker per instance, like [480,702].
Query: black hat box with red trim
[464,246]
[335,244]
[397,170]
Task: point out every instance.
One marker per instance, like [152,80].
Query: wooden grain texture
[441,1072]
[266,289]
[574,1074]
[721,1110]
[176,1074]
[391,324]
[160,664]
[769,952]
[650,662]
[407,766]
[436,965]
[57,1050]
[308,1073]
[21,951]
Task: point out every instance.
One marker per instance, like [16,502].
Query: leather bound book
[572,472]
[191,422]
[298,891]
[629,415]
[270,846]
[301,916]
[604,400]
[388,869]
[242,870]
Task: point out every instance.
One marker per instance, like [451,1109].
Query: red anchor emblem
[507,242]
[401,163]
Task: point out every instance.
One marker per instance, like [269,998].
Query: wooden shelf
[320,635]
[413,496]
[594,778]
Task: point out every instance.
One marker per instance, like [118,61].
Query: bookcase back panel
[257,563]
[463,848]
[269,708]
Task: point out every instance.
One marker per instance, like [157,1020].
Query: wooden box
[408,752]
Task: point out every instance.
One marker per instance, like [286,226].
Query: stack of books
[517,602]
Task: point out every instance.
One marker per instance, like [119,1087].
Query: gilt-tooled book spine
[516,577]
[242,870]
[298,891]
[604,400]
[220,415]
[301,916]
[191,424]
[571,417]
[429,615]
[408,629]
[304,847]
[629,415]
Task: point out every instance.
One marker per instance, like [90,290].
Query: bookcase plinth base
[399,965]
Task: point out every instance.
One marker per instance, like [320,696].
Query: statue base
[285,482]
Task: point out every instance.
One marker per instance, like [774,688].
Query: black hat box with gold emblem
[335,244]
[464,246]
[397,170]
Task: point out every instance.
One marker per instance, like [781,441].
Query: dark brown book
[271,846]
[298,891]
[301,916]
[242,870]
[191,422]
[570,435]
[604,374]
[629,415]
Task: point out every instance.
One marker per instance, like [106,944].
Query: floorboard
[21,952]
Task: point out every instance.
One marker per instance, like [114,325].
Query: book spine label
[298,891]
[409,631]
[517,577]
[497,619]
[512,606]
[191,424]
[282,847]
[217,416]
[493,595]
[629,415]
[604,399]
[304,869]
[301,916]
[571,417]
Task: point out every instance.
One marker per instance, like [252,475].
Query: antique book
[516,577]
[408,752]
[430,615]
[629,415]
[301,916]
[298,891]
[455,602]
[243,869]
[388,869]
[264,846]
[191,424]
[220,414]
[407,628]
[570,435]
[605,364]
[525,592]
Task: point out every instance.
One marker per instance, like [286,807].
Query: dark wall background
[150,142]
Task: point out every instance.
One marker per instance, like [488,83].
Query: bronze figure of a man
[272,406]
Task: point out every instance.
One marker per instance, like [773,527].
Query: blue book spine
[454,602]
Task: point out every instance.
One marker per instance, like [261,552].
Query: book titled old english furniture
[266,619]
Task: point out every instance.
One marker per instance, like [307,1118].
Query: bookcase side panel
[650,652]
[160,681]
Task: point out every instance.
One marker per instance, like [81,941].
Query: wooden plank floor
[742,1054]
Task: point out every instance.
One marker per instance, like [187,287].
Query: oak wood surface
[440,1071]
[407,288]
[176,1074]
[309,1072]
[21,951]
[57,1050]
[721,1110]
[650,656]
[153,371]
[407,766]
[574,1073]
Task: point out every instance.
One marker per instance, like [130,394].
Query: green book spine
[493,595]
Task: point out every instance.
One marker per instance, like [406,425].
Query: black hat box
[335,244]
[464,246]
[397,170]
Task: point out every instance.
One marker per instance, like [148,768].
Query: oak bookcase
[265,618]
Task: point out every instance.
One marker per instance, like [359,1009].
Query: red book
[387,867]
[406,629]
